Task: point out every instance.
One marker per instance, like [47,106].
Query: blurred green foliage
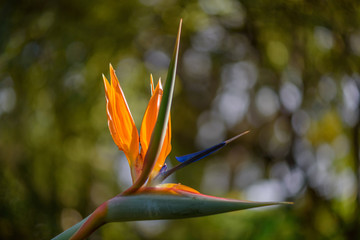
[286,70]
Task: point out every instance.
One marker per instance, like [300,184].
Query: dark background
[286,70]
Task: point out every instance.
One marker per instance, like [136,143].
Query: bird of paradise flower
[148,198]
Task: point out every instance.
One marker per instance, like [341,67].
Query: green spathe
[165,206]
[154,206]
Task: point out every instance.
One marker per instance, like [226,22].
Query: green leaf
[159,132]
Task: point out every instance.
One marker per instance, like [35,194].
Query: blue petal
[201,154]
[163,168]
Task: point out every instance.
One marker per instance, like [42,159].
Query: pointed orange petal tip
[114,80]
[160,84]
[111,71]
[106,85]
[104,78]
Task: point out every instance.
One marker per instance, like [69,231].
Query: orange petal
[165,150]
[149,119]
[109,112]
[147,128]
[121,123]
[169,188]
[176,187]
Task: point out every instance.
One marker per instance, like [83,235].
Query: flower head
[135,146]
[146,152]
[123,129]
